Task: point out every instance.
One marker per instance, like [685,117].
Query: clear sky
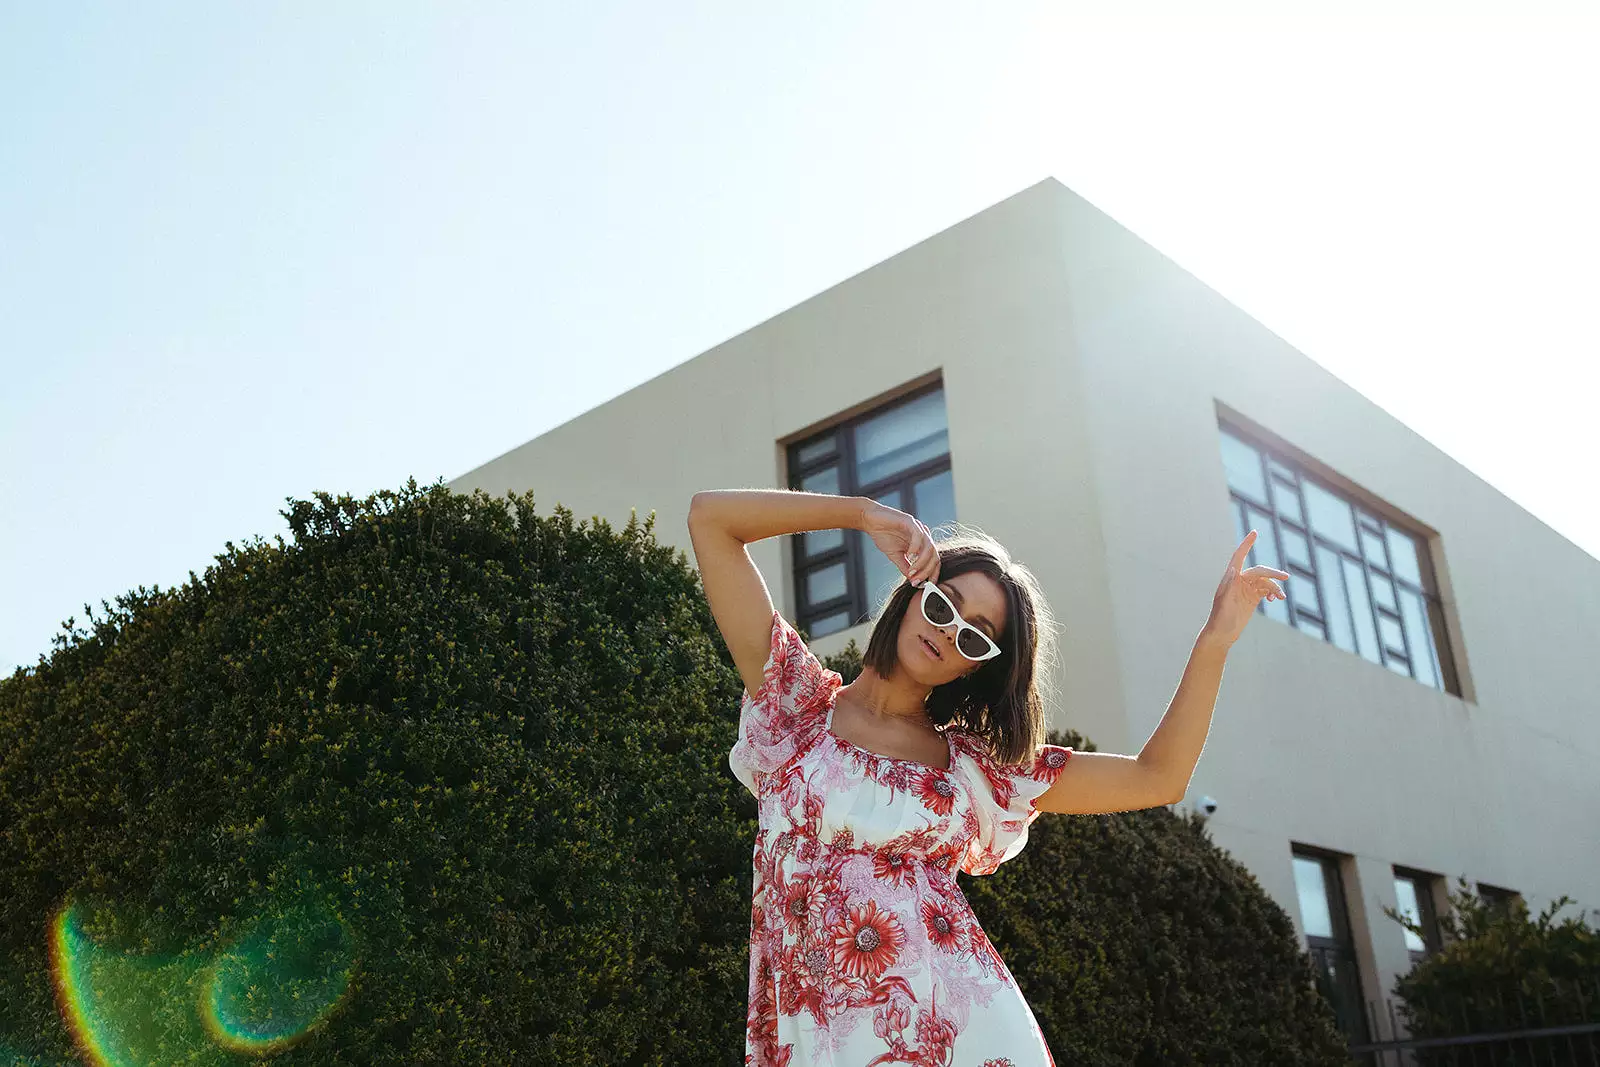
[251,251]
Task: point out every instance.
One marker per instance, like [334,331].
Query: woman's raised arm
[721,523]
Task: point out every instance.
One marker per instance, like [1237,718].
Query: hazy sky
[251,251]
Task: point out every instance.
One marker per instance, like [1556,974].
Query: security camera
[1206,806]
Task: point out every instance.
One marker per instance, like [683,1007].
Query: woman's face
[978,599]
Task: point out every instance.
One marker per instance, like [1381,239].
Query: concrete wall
[1311,743]
[1084,375]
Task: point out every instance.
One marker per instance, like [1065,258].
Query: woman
[872,795]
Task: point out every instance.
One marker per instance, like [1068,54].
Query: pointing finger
[1243,550]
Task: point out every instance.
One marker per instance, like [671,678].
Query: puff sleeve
[782,717]
[1003,801]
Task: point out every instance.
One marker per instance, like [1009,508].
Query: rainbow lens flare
[266,990]
[278,983]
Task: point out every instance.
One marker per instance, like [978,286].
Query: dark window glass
[829,623]
[816,542]
[906,435]
[825,584]
[936,499]
[815,449]
[825,480]
[1496,897]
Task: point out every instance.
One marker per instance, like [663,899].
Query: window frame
[1346,991]
[1282,472]
[1497,897]
[1423,884]
[850,551]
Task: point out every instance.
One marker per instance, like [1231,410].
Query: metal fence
[1553,1023]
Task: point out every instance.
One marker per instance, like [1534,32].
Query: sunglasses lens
[971,644]
[938,609]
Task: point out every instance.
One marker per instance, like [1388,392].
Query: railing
[1495,1032]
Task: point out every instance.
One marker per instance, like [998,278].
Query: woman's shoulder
[984,759]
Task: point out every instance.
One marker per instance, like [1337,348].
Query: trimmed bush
[496,742]
[484,753]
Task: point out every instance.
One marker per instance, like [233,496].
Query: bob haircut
[1003,700]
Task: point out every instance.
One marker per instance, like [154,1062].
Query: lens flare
[268,989]
[125,1008]
[279,983]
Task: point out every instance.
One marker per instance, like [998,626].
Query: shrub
[494,742]
[1500,970]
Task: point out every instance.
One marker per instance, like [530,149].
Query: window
[1497,898]
[898,455]
[1355,578]
[1414,891]
[1320,892]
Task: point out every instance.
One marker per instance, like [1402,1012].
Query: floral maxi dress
[863,950]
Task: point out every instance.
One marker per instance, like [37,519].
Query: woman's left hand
[1239,593]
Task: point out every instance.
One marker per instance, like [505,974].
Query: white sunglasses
[971,642]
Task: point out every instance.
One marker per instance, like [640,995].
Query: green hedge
[498,741]
[1499,969]
[487,752]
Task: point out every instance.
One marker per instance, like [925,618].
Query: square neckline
[950,745]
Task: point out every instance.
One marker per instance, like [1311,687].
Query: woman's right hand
[904,539]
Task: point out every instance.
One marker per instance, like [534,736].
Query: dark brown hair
[1003,700]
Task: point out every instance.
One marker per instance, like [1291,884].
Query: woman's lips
[932,651]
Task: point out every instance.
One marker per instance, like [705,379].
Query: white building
[1419,709]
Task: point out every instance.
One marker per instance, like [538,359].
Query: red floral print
[868,941]
[863,949]
[943,923]
[936,793]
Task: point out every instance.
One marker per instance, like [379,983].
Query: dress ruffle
[1003,800]
[785,715]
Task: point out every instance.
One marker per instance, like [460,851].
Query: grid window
[1355,579]
[898,455]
